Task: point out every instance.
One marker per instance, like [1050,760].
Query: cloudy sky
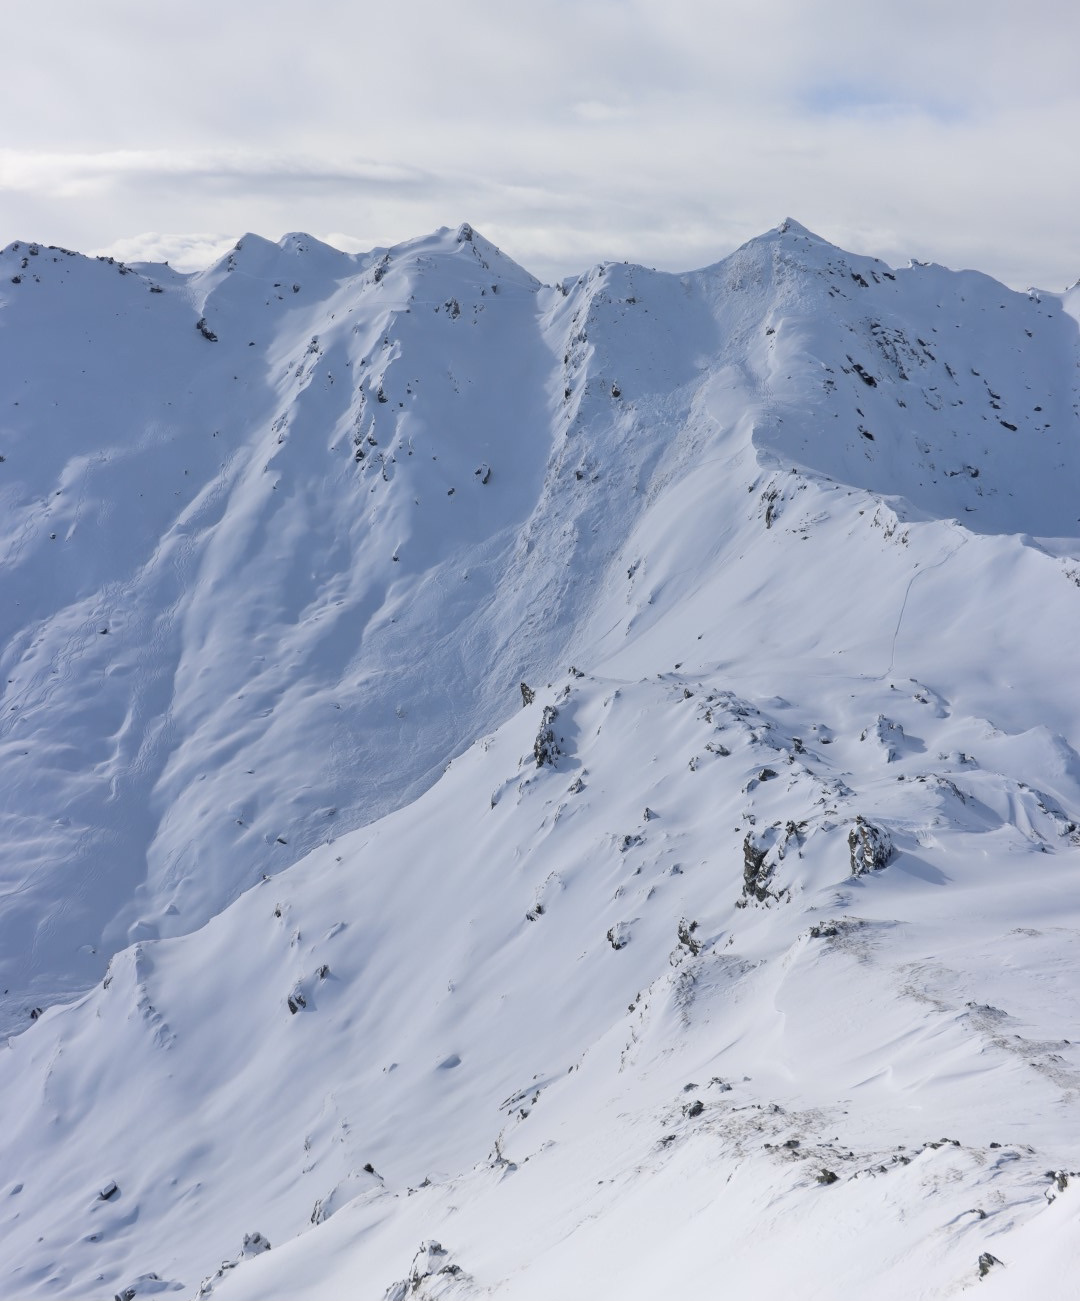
[660,131]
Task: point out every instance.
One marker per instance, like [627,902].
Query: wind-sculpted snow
[530,770]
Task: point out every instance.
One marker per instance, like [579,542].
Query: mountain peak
[463,241]
[792,232]
[789,226]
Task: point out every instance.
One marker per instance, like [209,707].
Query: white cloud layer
[568,133]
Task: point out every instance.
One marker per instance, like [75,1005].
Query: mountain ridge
[438,705]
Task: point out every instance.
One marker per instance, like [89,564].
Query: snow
[323,946]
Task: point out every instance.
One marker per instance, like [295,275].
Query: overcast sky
[660,131]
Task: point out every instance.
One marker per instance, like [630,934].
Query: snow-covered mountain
[537,790]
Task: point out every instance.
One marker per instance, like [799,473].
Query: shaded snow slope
[223,560]
[283,538]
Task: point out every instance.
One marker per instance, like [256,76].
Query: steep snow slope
[802,524]
[223,561]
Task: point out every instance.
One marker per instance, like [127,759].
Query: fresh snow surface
[735,956]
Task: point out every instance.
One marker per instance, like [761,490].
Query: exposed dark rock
[618,936]
[823,931]
[545,747]
[756,872]
[141,1286]
[871,847]
[686,937]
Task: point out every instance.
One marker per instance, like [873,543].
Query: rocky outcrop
[870,846]
[545,747]
[757,873]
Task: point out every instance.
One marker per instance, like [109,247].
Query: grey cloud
[570,132]
[64,172]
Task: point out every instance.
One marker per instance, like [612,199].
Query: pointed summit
[465,241]
[793,231]
[789,226]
